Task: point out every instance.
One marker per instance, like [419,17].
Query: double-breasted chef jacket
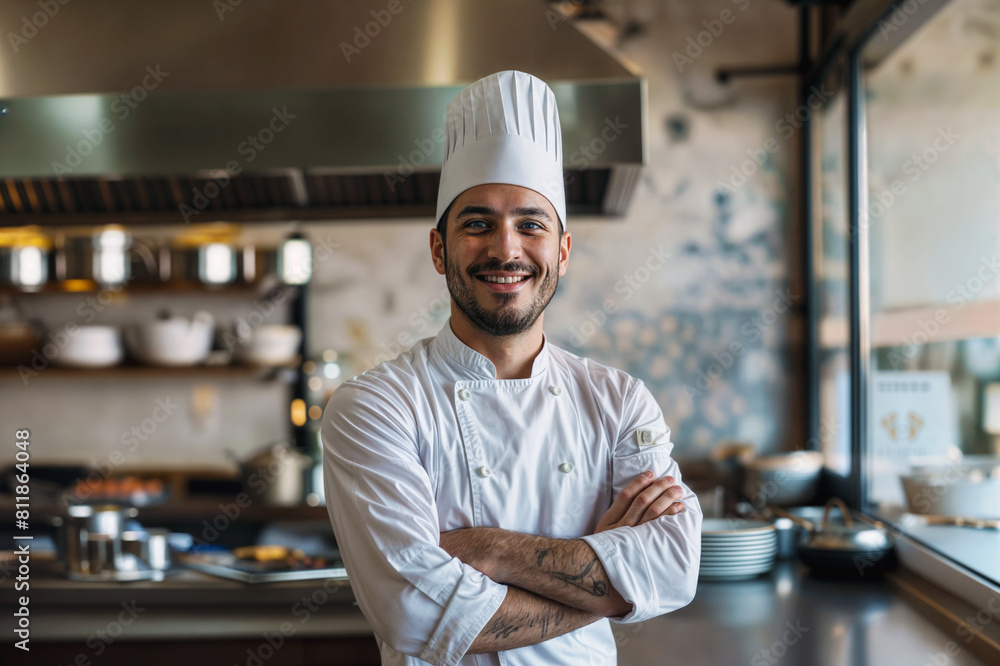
[432,441]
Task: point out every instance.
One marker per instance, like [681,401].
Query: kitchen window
[921,273]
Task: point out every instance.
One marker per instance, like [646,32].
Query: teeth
[505,280]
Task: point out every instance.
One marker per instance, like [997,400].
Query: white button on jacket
[406,456]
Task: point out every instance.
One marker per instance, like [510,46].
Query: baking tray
[227,566]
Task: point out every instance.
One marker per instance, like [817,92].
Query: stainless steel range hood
[193,111]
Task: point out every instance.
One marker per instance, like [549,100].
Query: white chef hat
[504,128]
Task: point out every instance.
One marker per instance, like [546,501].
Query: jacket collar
[477,365]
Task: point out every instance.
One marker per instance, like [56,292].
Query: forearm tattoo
[578,576]
[503,627]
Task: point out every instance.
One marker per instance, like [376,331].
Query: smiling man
[495,498]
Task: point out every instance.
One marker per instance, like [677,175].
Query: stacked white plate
[736,549]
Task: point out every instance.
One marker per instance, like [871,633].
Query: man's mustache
[497,267]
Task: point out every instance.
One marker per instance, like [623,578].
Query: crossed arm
[555,585]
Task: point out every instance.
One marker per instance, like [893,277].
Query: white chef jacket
[431,441]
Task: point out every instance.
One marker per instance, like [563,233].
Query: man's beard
[504,320]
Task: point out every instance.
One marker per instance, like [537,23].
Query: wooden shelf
[190,510]
[164,288]
[946,322]
[260,372]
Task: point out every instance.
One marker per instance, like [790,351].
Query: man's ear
[564,246]
[437,251]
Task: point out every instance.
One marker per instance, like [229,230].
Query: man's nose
[505,245]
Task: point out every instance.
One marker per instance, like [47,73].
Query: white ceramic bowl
[89,347]
[961,490]
[270,345]
[176,341]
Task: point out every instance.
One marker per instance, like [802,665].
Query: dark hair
[442,224]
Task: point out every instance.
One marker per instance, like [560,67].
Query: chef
[496,499]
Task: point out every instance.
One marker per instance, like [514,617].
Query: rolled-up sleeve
[419,600]
[653,566]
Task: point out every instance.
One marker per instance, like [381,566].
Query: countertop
[785,617]
[186,604]
[789,617]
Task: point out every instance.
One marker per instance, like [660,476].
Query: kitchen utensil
[136,542]
[288,263]
[785,523]
[171,340]
[101,553]
[205,255]
[159,548]
[24,258]
[90,347]
[226,565]
[966,487]
[269,345]
[99,255]
[785,479]
[150,546]
[82,520]
[845,549]
[275,473]
[149,260]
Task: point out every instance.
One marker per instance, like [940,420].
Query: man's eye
[533,225]
[478,224]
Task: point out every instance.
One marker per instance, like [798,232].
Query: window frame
[852,38]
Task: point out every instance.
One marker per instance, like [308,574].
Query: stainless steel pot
[150,546]
[79,523]
[845,550]
[205,255]
[149,261]
[101,256]
[212,264]
[24,258]
[275,474]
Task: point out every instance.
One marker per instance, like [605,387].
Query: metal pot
[100,256]
[205,255]
[275,474]
[150,261]
[212,264]
[82,529]
[24,258]
[848,549]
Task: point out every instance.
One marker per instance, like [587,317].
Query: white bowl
[270,345]
[961,492]
[175,341]
[89,347]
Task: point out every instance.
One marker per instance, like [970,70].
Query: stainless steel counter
[788,617]
[187,604]
[785,617]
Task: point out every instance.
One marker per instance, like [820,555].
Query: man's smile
[501,282]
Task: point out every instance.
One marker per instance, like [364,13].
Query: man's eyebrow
[478,210]
[526,211]
[532,211]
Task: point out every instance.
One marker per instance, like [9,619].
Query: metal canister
[100,255]
[83,520]
[24,258]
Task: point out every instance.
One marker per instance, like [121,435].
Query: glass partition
[831,275]
[932,126]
